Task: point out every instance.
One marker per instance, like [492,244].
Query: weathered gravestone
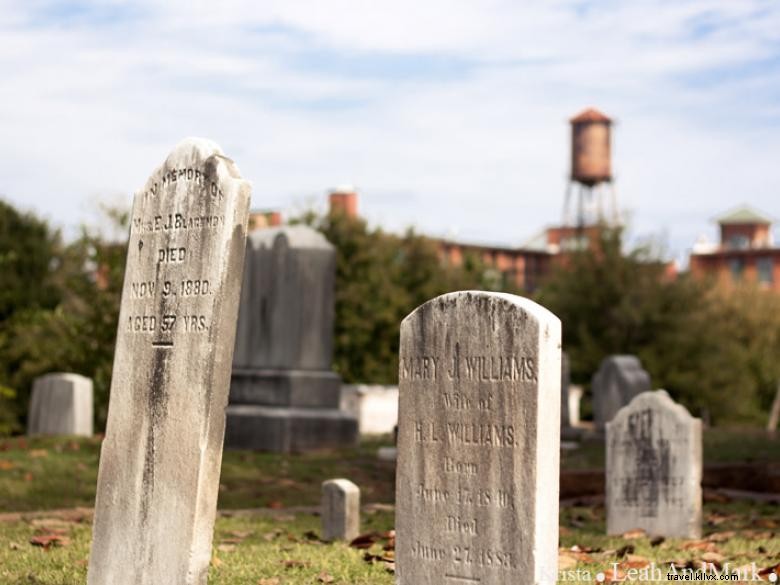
[61,404]
[478,442]
[654,468]
[618,380]
[340,510]
[284,396]
[160,461]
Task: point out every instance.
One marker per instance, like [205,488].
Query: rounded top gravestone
[478,442]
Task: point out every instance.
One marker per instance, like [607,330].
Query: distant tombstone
[575,396]
[478,443]
[565,384]
[61,404]
[618,380]
[160,461]
[340,510]
[654,468]
[284,396]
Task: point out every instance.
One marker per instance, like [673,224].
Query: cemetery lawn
[50,473]
[279,547]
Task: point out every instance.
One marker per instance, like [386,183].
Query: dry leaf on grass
[702,545]
[294,564]
[633,534]
[325,577]
[269,581]
[49,540]
[38,453]
[6,465]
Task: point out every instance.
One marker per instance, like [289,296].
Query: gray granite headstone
[160,461]
[340,510]
[478,442]
[61,404]
[654,468]
[618,380]
[283,394]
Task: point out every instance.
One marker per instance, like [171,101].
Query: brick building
[745,252]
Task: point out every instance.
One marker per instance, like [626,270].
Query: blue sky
[448,115]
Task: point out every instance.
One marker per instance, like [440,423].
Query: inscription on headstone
[654,468]
[478,442]
[160,461]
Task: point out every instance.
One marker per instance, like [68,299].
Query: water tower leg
[566,203]
[615,211]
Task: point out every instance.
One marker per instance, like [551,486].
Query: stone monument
[565,383]
[284,396]
[654,468]
[161,458]
[618,380]
[340,510]
[478,442]
[61,404]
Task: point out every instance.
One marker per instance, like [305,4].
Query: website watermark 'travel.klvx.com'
[659,573]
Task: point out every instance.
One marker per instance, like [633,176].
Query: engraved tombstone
[478,442]
[654,468]
[160,461]
[61,404]
[618,380]
[284,396]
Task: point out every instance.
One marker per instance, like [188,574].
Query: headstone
[161,458]
[375,406]
[284,396]
[340,510]
[478,442]
[565,383]
[654,468]
[61,404]
[575,397]
[618,380]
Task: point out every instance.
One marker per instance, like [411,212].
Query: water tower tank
[590,148]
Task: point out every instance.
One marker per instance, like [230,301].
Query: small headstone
[61,404]
[161,458]
[340,510]
[654,468]
[478,443]
[565,383]
[618,380]
[284,394]
[575,397]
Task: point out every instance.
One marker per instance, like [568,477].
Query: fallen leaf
[38,453]
[269,581]
[625,550]
[6,465]
[325,578]
[613,575]
[294,564]
[226,547]
[657,541]
[49,540]
[634,562]
[566,562]
[769,571]
[365,540]
[633,534]
[14,546]
[28,476]
[275,505]
[215,562]
[241,533]
[700,545]
[721,536]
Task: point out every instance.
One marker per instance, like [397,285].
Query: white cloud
[445,113]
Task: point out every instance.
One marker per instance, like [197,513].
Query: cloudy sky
[448,115]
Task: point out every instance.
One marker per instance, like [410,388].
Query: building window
[737,267]
[739,242]
[765,268]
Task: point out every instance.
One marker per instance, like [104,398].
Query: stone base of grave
[294,388]
[288,430]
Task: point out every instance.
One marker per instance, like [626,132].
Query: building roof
[743,215]
[590,115]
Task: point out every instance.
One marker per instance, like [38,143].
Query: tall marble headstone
[61,404]
[161,458]
[618,380]
[478,442]
[654,468]
[284,395]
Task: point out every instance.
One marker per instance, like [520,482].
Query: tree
[681,328]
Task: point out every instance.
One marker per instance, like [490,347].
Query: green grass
[282,545]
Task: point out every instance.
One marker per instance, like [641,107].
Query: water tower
[591,172]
